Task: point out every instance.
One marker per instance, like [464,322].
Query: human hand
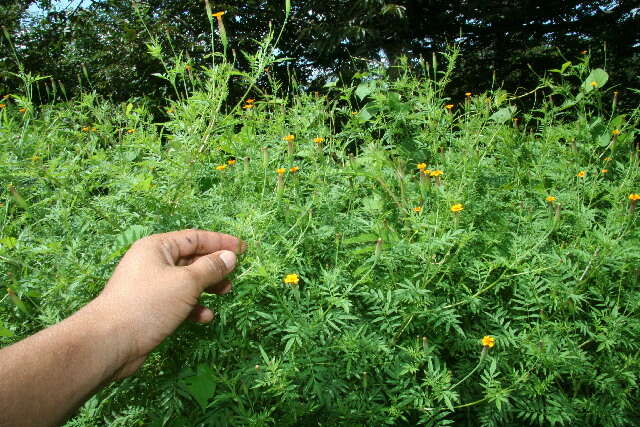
[156,286]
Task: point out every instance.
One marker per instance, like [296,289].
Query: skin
[154,288]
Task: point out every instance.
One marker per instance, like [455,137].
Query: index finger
[189,243]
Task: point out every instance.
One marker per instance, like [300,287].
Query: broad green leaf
[597,79]
[364,89]
[332,83]
[503,114]
[4,332]
[201,386]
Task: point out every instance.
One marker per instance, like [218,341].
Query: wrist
[109,334]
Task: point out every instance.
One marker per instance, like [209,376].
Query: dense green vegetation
[418,227]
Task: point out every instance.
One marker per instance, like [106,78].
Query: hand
[156,286]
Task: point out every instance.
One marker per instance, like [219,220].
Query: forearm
[46,376]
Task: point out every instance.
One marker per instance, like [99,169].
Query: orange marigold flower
[2,106]
[634,196]
[604,171]
[281,171]
[250,101]
[294,169]
[85,129]
[550,199]
[488,341]
[458,207]
[581,174]
[218,14]
[289,138]
[221,167]
[231,162]
[291,279]
[417,209]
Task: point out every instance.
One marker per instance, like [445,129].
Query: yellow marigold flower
[85,129]
[634,196]
[94,129]
[607,159]
[550,199]
[468,94]
[247,106]
[353,113]
[169,110]
[417,209]
[131,130]
[457,207]
[448,106]
[615,132]
[427,172]
[250,101]
[421,166]
[2,106]
[318,140]
[218,14]
[581,174]
[594,84]
[221,167]
[436,172]
[281,171]
[294,169]
[23,110]
[291,279]
[231,162]
[604,170]
[289,138]
[488,341]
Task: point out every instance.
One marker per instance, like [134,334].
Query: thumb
[211,269]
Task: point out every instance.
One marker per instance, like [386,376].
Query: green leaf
[332,83]
[4,332]
[503,114]
[364,89]
[597,79]
[201,386]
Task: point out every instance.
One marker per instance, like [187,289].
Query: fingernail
[229,259]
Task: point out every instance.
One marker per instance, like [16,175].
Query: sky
[59,5]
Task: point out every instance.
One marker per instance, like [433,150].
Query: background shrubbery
[385,324]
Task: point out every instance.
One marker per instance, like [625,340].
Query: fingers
[201,314]
[209,270]
[176,246]
[221,288]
